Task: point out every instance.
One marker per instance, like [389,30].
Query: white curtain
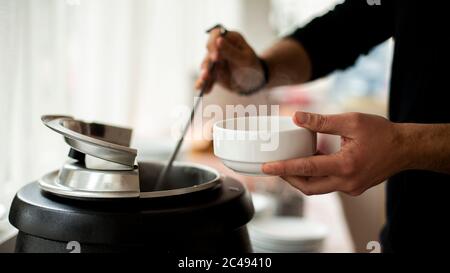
[126,62]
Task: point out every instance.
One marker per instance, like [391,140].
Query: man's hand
[238,67]
[372,150]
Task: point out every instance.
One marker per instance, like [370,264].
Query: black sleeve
[336,39]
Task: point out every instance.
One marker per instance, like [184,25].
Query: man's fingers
[204,71]
[228,52]
[321,165]
[222,74]
[327,124]
[211,45]
[236,39]
[204,74]
[230,48]
[312,186]
[233,40]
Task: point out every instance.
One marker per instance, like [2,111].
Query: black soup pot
[184,217]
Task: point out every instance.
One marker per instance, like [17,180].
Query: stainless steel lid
[102,141]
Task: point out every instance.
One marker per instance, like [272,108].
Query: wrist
[403,146]
[265,75]
[412,146]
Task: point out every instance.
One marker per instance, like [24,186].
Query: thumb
[327,124]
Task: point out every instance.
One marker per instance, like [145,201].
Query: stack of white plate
[265,205]
[287,235]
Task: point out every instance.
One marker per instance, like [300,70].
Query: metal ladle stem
[163,175]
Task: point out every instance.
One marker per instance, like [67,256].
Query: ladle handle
[212,70]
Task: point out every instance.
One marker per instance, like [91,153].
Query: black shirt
[418,202]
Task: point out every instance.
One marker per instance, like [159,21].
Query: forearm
[427,147]
[288,63]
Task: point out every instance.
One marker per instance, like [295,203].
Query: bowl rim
[218,127]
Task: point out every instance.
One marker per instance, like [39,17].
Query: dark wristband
[266,72]
[266,78]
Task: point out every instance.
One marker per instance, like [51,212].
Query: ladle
[212,67]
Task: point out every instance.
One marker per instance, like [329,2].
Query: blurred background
[134,62]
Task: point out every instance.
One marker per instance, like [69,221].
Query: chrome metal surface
[75,181]
[106,142]
[50,183]
[79,178]
[183,179]
[94,163]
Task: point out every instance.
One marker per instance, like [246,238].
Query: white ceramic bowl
[244,144]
